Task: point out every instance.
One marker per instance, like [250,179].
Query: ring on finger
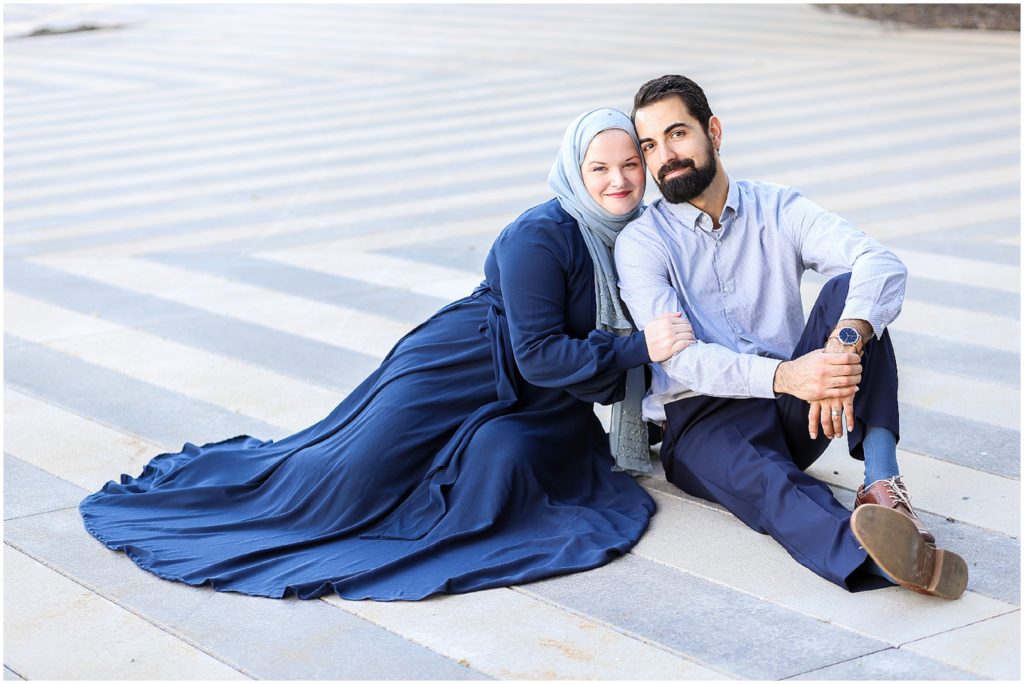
[836,413]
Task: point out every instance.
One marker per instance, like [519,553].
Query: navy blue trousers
[749,455]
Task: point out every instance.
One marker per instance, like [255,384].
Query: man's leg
[749,455]
[732,451]
[876,410]
[875,403]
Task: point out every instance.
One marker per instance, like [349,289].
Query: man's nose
[664,155]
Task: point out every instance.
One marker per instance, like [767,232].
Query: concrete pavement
[203,202]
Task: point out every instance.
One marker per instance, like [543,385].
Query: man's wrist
[858,324]
[779,383]
[863,328]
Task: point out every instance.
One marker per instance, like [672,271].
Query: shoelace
[899,492]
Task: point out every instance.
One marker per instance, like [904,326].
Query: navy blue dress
[470,459]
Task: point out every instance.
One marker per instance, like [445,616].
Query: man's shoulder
[773,203]
[763,191]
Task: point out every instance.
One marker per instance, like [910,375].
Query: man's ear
[715,131]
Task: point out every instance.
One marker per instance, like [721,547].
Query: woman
[470,459]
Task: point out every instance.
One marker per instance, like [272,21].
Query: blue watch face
[849,336]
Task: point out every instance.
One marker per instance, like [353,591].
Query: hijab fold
[600,228]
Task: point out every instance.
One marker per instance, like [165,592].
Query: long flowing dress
[470,459]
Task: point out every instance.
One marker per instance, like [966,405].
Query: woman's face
[613,172]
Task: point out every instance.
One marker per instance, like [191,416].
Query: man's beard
[685,187]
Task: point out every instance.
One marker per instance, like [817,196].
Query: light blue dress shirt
[739,286]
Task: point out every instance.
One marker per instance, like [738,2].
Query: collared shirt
[739,286]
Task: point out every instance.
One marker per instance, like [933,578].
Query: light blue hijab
[628,436]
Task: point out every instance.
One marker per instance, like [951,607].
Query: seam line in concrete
[16,673]
[953,629]
[32,515]
[162,627]
[839,662]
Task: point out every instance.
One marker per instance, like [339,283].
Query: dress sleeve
[534,271]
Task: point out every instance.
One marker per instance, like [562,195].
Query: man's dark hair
[658,89]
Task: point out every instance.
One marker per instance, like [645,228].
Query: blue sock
[879,455]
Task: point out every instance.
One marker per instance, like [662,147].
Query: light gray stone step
[266,638]
[55,628]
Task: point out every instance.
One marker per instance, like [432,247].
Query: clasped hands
[826,378]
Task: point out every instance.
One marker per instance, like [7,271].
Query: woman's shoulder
[545,223]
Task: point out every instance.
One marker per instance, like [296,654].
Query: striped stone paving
[218,219]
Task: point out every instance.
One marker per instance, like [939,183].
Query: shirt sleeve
[831,245]
[707,368]
[534,271]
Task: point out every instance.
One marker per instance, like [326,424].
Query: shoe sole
[921,529]
[893,542]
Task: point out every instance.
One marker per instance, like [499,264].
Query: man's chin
[677,197]
[688,186]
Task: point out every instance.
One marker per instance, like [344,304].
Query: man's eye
[677,134]
[646,147]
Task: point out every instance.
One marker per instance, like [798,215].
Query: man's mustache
[674,166]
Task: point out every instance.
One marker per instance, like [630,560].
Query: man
[749,406]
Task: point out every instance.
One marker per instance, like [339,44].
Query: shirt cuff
[761,381]
[632,351]
[867,310]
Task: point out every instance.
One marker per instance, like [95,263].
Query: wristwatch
[847,336]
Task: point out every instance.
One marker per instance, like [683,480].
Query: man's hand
[829,414]
[819,375]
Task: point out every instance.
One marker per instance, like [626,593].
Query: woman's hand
[667,334]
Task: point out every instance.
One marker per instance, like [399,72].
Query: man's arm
[707,368]
[831,245]
[713,369]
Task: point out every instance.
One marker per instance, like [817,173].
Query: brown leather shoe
[893,542]
[892,493]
